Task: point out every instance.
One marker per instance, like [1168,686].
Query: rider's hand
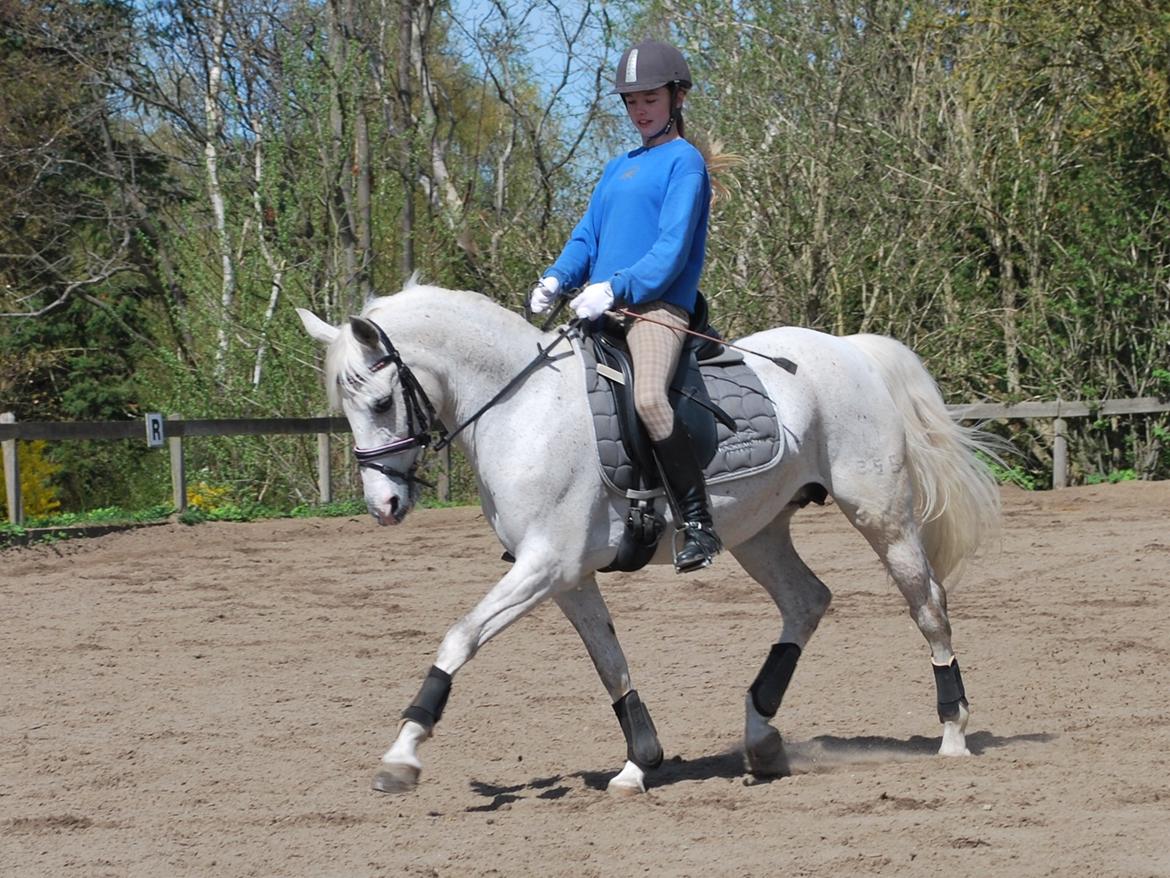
[593,301]
[543,294]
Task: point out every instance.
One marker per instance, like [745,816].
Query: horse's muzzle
[389,513]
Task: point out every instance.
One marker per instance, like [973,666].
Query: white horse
[864,422]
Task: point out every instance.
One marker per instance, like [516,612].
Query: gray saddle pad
[756,445]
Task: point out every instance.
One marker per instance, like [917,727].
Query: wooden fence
[173,430]
[156,432]
[1057,412]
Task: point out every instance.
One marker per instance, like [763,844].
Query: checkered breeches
[655,350]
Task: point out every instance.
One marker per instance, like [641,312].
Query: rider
[641,246]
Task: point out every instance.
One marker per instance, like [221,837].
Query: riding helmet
[649,65]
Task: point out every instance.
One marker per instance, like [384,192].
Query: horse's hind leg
[586,610]
[896,538]
[770,558]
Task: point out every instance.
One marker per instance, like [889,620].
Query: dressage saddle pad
[756,445]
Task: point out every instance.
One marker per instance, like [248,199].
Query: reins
[542,355]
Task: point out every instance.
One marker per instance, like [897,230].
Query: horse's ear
[365,332]
[316,327]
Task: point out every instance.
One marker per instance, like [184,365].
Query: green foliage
[10,532]
[257,511]
[1111,478]
[1014,475]
[103,515]
[336,509]
[230,512]
[67,525]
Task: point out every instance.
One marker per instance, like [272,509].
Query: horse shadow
[818,755]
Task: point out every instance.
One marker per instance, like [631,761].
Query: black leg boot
[685,480]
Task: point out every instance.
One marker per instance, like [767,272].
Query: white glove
[593,301]
[543,294]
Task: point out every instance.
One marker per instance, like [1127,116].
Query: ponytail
[719,164]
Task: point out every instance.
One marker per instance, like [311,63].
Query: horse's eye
[383,405]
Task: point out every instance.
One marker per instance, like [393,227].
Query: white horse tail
[956,495]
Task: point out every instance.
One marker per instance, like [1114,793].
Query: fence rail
[980,411]
[177,429]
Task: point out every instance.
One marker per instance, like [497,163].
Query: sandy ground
[212,701]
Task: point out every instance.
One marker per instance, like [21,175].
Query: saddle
[719,398]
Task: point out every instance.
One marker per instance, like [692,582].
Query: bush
[37,491]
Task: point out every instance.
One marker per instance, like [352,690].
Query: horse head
[389,413]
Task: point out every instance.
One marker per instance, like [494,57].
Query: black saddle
[693,408]
[687,393]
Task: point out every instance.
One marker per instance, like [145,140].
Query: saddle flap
[613,364]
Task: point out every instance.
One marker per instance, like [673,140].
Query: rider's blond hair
[720,165]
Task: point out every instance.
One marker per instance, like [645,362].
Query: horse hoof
[627,783]
[766,757]
[954,751]
[624,790]
[395,777]
[954,742]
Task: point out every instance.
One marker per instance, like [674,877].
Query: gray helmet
[648,65]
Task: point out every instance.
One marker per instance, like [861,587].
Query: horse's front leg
[586,610]
[525,586]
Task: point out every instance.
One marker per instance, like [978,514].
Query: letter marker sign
[155,437]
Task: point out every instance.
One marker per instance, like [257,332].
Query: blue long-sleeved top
[646,228]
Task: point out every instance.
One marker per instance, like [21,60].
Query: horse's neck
[469,353]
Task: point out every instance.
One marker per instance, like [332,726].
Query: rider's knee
[655,412]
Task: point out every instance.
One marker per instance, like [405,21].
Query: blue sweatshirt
[646,228]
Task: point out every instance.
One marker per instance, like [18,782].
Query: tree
[64,231]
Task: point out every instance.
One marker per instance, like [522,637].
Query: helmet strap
[664,130]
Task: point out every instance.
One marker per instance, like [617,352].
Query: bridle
[422,423]
[400,458]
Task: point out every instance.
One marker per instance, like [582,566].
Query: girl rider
[641,246]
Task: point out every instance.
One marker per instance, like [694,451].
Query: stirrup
[700,546]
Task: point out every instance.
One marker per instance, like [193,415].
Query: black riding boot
[684,477]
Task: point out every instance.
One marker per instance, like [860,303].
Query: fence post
[12,473]
[324,469]
[1059,453]
[178,471]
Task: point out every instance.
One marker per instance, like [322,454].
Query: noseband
[421,423]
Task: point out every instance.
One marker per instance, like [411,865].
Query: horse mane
[347,360]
